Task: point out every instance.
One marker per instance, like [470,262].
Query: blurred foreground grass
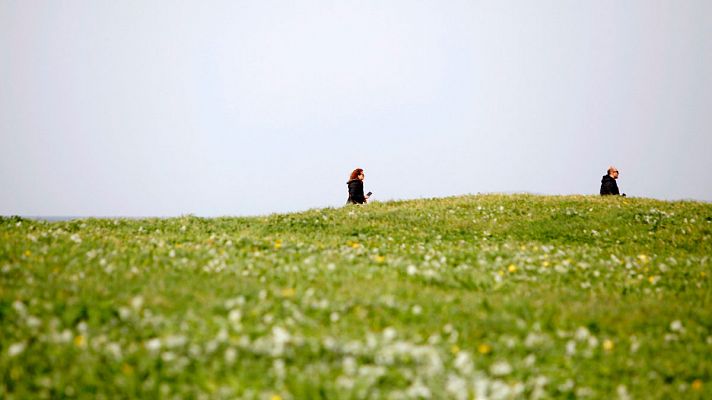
[491,296]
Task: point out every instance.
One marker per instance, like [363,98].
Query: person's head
[613,172]
[357,174]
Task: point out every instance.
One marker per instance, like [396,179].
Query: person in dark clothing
[608,182]
[355,184]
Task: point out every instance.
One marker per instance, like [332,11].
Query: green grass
[488,296]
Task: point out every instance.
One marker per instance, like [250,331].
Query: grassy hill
[492,296]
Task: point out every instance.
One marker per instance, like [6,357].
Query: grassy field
[491,296]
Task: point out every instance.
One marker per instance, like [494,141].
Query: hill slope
[502,296]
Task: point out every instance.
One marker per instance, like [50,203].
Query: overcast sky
[163,108]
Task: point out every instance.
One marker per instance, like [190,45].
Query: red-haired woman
[355,183]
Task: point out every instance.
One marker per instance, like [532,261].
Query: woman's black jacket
[356,195]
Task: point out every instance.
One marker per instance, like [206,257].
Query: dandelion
[697,385]
[484,348]
[355,245]
[380,259]
[127,369]
[28,253]
[512,268]
[608,345]
[454,349]
[277,244]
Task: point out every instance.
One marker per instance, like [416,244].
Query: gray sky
[140,108]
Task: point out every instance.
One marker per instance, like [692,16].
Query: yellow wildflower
[697,384]
[276,397]
[355,245]
[608,345]
[454,349]
[484,348]
[28,253]
[380,259]
[277,244]
[288,292]
[512,268]
[127,369]
[79,341]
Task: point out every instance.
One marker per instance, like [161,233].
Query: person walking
[608,182]
[355,184]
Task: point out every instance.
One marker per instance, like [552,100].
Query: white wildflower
[153,345]
[622,392]
[501,390]
[168,356]
[389,334]
[280,337]
[234,316]
[16,348]
[456,386]
[534,339]
[175,341]
[19,307]
[33,322]
[279,368]
[418,390]
[230,355]
[500,368]
[114,349]
[566,386]
[463,363]
[570,348]
[137,303]
[349,365]
[530,360]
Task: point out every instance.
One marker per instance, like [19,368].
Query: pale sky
[165,108]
